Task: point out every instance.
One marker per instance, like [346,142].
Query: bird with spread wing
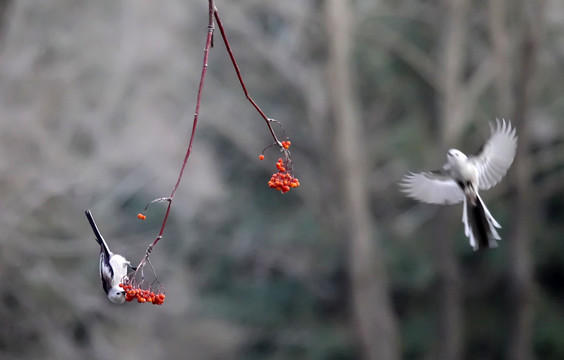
[460,179]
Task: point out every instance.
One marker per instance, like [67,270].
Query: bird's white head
[456,156]
[116,295]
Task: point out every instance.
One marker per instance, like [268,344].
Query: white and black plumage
[113,267]
[461,178]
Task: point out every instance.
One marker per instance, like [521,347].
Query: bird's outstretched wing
[434,187]
[496,155]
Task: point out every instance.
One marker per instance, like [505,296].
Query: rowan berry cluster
[286,144]
[283,180]
[142,296]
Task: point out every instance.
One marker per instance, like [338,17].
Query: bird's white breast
[463,170]
[119,265]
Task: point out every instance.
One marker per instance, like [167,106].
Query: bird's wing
[106,272]
[496,155]
[434,187]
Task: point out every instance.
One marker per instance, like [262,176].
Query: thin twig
[228,47]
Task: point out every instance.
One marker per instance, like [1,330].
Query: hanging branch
[283,180]
[169,199]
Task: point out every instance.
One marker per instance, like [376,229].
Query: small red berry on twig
[133,291]
[283,180]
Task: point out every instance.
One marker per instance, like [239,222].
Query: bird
[113,267]
[463,176]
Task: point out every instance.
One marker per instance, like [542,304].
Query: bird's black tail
[479,225]
[97,233]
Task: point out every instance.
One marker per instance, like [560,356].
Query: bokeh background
[96,106]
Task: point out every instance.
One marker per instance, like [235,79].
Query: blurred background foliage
[97,99]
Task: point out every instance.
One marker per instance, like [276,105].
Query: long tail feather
[99,237]
[479,225]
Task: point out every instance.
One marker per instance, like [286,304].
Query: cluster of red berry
[283,180]
[142,296]
[141,216]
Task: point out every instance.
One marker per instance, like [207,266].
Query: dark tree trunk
[449,305]
[453,119]
[372,310]
[521,287]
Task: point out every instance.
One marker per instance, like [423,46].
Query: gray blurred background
[96,107]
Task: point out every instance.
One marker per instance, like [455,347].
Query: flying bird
[460,179]
[113,267]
